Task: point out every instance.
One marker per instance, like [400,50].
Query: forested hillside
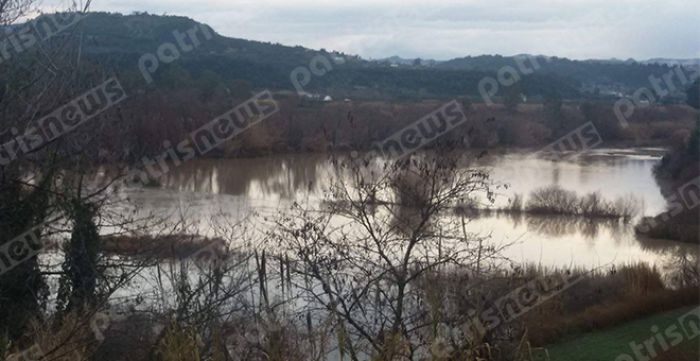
[118,41]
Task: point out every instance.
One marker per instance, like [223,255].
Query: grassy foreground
[608,345]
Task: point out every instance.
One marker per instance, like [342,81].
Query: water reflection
[560,226]
[277,177]
[239,187]
[291,177]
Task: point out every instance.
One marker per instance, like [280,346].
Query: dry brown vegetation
[318,127]
[605,300]
[556,200]
[597,301]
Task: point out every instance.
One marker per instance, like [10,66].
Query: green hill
[117,42]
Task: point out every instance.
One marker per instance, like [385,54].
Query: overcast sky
[443,29]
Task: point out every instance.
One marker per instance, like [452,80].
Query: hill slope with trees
[120,40]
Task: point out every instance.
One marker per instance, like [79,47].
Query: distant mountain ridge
[119,41]
[625,76]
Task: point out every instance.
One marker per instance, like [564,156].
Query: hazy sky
[445,29]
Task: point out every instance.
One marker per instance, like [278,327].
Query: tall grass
[606,299]
[599,299]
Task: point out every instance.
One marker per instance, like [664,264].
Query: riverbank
[678,176]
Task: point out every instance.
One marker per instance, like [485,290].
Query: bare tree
[387,226]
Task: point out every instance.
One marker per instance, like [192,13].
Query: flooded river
[205,191]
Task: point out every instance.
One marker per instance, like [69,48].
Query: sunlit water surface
[206,191]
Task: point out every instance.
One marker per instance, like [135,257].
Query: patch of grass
[608,344]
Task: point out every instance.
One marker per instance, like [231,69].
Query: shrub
[553,199]
[626,207]
[592,204]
